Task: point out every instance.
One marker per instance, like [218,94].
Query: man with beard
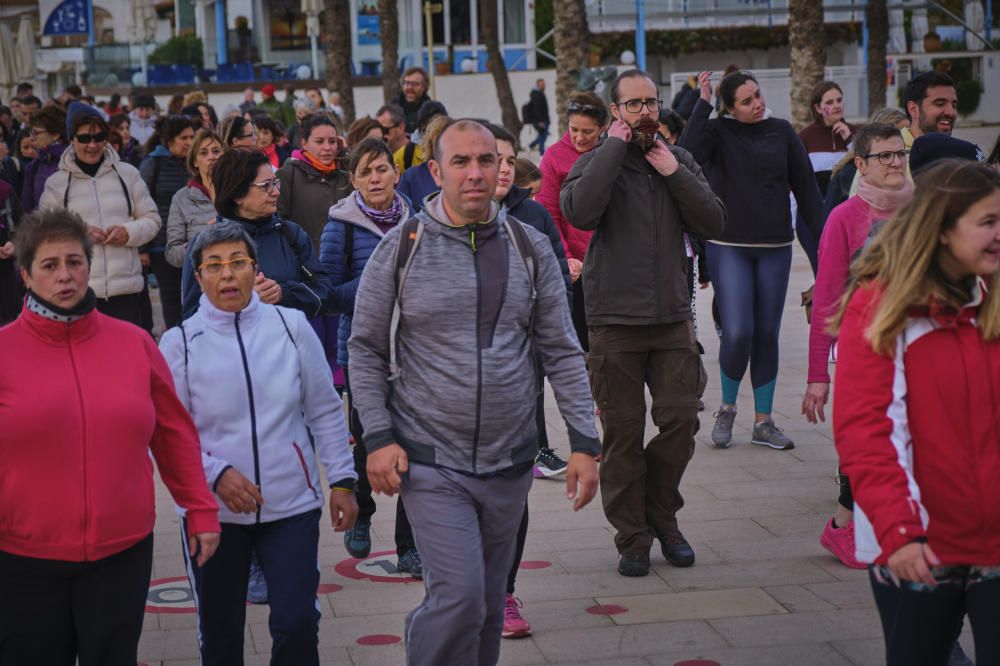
[414,84]
[640,196]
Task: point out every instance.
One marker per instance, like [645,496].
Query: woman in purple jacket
[48,130]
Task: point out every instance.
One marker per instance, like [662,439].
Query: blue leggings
[750,283]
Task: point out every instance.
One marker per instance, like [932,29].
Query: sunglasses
[99,137]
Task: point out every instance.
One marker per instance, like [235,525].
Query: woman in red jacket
[915,415]
[84,398]
[588,118]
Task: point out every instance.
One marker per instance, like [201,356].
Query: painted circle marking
[170,595]
[329,588]
[610,609]
[378,567]
[697,662]
[379,639]
[535,564]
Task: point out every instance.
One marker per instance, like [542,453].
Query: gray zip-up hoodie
[464,398]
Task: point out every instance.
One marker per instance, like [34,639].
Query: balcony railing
[616,15]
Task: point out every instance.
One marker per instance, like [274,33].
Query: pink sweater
[845,233]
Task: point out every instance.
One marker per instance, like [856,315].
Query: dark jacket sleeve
[586,192]
[309,294]
[839,189]
[702,212]
[697,137]
[802,180]
[190,289]
[28,197]
[343,288]
[549,229]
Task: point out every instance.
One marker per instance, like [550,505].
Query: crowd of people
[415,267]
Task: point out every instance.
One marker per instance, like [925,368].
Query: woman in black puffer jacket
[165,172]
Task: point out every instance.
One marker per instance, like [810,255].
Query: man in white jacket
[255,380]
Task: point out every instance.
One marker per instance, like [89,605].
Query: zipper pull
[472,237]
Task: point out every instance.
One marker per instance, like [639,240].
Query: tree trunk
[388,20]
[572,37]
[488,25]
[877,16]
[808,55]
[337,35]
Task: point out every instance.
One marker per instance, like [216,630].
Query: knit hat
[268,90]
[144,100]
[428,110]
[929,148]
[77,112]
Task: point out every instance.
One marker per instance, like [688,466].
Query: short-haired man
[249,102]
[640,197]
[29,104]
[24,89]
[456,433]
[414,84]
[538,115]
[393,122]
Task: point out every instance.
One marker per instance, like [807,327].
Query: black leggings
[522,535]
[846,498]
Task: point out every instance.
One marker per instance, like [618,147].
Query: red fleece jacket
[81,407]
[555,166]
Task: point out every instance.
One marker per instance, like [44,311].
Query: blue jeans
[543,135]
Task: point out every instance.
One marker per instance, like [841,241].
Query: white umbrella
[25,48]
[8,77]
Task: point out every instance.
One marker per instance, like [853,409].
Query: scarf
[883,199]
[325,169]
[198,185]
[272,154]
[43,308]
[388,217]
[89,169]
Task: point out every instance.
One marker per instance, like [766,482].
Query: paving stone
[790,629]
[786,655]
[703,605]
[797,599]
[586,586]
[607,643]
[376,599]
[864,652]
[745,573]
[844,594]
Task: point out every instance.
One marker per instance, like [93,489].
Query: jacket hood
[67,162]
[256,228]
[161,151]
[53,151]
[515,197]
[347,210]
[222,320]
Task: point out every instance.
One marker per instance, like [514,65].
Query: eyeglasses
[34,131]
[387,128]
[99,137]
[885,158]
[413,84]
[635,105]
[251,135]
[235,265]
[269,185]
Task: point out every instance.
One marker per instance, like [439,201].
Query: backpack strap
[409,150]
[409,238]
[289,235]
[285,324]
[526,250]
[128,197]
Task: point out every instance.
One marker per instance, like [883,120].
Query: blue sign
[68,18]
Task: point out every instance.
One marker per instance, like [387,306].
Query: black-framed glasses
[269,185]
[885,158]
[98,137]
[635,105]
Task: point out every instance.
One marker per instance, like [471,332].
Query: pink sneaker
[514,626]
[840,542]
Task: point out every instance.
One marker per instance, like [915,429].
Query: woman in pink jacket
[588,118]
[881,161]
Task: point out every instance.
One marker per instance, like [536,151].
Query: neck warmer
[389,216]
[883,199]
[89,169]
[325,169]
[43,308]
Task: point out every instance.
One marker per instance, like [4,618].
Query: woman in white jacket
[112,199]
[255,380]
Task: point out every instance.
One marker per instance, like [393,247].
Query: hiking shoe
[358,539]
[676,550]
[722,433]
[634,565]
[840,542]
[514,626]
[548,464]
[766,433]
[257,584]
[409,562]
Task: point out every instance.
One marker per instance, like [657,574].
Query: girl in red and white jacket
[916,417]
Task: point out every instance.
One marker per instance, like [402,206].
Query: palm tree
[388,20]
[877,17]
[337,29]
[572,36]
[494,58]
[808,55]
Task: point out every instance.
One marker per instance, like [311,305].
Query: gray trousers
[466,530]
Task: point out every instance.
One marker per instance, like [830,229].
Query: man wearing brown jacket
[640,196]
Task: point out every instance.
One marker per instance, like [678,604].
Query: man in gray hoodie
[452,428]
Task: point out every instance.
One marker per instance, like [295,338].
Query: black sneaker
[634,565]
[676,550]
[358,539]
[409,563]
[548,464]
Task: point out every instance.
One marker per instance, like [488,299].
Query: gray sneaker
[766,433]
[722,433]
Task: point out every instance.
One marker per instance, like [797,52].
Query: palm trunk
[877,17]
[337,29]
[571,37]
[491,38]
[808,55]
[388,19]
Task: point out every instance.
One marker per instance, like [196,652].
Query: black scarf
[57,313]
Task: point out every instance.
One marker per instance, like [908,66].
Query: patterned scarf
[390,216]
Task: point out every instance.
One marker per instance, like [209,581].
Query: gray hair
[395,112]
[305,104]
[222,232]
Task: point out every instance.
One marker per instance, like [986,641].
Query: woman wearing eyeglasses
[165,171]
[193,207]
[109,194]
[237,131]
[751,160]
[48,134]
[288,270]
[883,188]
[277,412]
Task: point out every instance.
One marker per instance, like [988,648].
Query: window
[513,22]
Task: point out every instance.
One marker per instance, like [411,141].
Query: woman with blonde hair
[193,206]
[416,182]
[915,417]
